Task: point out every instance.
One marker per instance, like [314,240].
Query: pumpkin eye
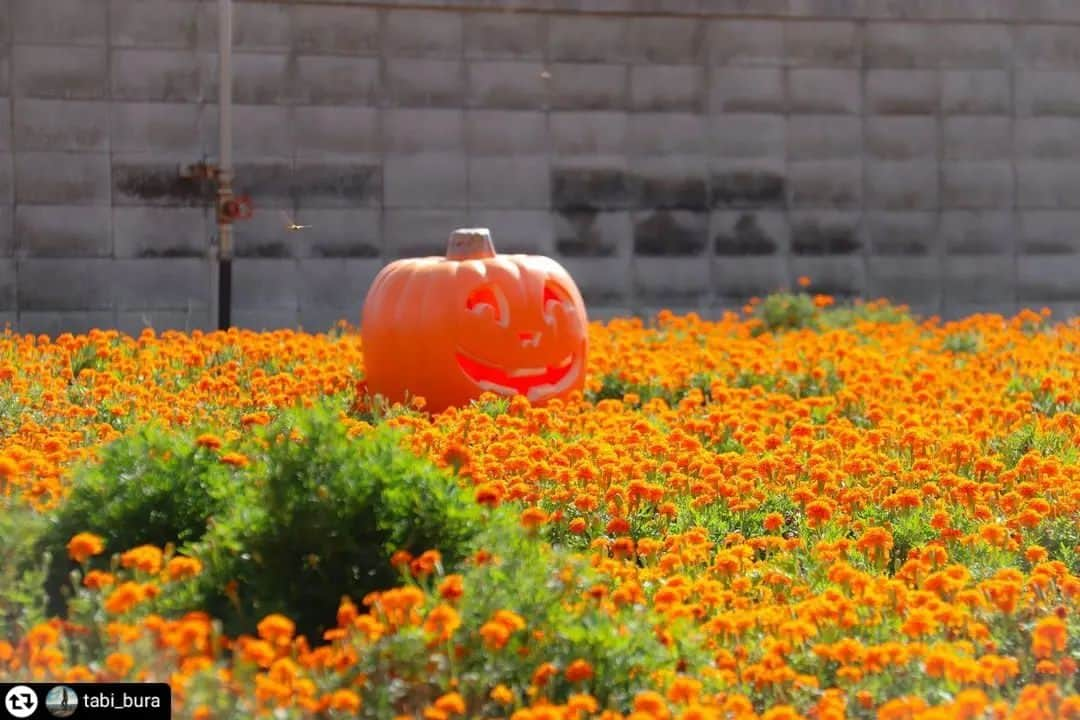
[484,297]
[554,294]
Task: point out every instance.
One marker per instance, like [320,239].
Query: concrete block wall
[671,153]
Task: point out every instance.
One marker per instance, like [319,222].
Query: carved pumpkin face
[450,328]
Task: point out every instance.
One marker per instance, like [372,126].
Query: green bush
[326,514]
[152,486]
[22,567]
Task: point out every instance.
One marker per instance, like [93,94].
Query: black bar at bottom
[224,293]
[87,701]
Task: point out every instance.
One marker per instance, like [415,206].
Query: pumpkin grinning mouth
[519,380]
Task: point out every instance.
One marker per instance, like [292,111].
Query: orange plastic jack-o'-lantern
[450,328]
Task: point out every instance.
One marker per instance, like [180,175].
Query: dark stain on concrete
[745,238]
[817,238]
[665,233]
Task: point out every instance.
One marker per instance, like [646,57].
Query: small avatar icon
[61,701]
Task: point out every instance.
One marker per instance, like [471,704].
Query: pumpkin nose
[529,338]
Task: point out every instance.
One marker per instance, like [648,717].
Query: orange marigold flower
[119,663]
[652,704]
[146,558]
[578,671]
[451,588]
[125,597]
[235,459]
[1049,637]
[180,568]
[276,629]
[96,579]
[495,635]
[442,622]
[344,700]
[85,545]
[209,441]
[451,703]
[773,521]
[533,517]
[502,694]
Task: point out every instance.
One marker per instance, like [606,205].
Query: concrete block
[823,137]
[957,310]
[414,233]
[437,180]
[970,45]
[517,231]
[337,284]
[507,85]
[666,88]
[977,185]
[976,92]
[825,184]
[739,279]
[589,133]
[59,22]
[813,90]
[650,40]
[53,178]
[902,185]
[747,136]
[745,42]
[505,36]
[77,73]
[900,234]
[1063,312]
[519,181]
[1048,232]
[137,180]
[1047,92]
[822,43]
[145,232]
[62,231]
[895,138]
[266,320]
[263,78]
[1048,138]
[338,183]
[914,281]
[55,324]
[504,132]
[337,80]
[321,319]
[966,232]
[901,45]
[163,75]
[602,281]
[740,233]
[671,181]
[335,131]
[825,232]
[903,92]
[133,322]
[151,127]
[977,138]
[162,283]
[593,187]
[420,130]
[424,83]
[5,73]
[257,27]
[7,230]
[260,132]
[267,235]
[61,125]
[7,179]
[746,89]
[1048,47]
[335,30]
[979,279]
[1048,279]
[153,23]
[65,284]
[333,233]
[589,86]
[7,288]
[842,276]
[671,280]
[588,233]
[1047,185]
[584,38]
[420,33]
[665,133]
[265,284]
[743,184]
[666,233]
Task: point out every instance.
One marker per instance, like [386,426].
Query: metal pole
[225,167]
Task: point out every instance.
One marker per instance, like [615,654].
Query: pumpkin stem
[470,244]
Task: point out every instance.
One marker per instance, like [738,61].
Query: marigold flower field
[843,513]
